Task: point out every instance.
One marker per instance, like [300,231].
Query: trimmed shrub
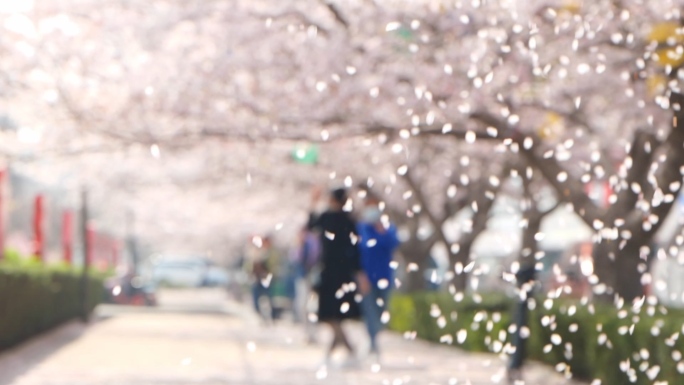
[618,346]
[34,298]
[472,324]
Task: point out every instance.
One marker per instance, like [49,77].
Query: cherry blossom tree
[579,91]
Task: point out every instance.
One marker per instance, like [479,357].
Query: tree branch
[336,13]
[641,162]
[567,190]
[668,174]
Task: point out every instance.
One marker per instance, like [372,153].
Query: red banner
[39,237]
[68,236]
[90,249]
[3,174]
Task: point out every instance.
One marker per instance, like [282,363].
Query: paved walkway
[214,342]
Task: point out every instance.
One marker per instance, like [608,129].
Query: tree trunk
[467,240]
[461,258]
[620,270]
[604,254]
[628,270]
[529,244]
[419,253]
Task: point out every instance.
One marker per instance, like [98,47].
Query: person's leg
[256,295]
[344,340]
[371,317]
[334,326]
[309,306]
[270,292]
[299,301]
[518,356]
[339,337]
[382,303]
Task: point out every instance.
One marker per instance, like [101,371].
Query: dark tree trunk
[461,259]
[466,241]
[419,253]
[482,198]
[529,244]
[628,270]
[620,270]
[604,253]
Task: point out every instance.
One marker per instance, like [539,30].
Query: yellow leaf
[656,85]
[669,56]
[663,31]
[572,6]
[552,126]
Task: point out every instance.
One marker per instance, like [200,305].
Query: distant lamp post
[305,153]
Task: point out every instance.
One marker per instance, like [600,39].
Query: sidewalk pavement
[167,347]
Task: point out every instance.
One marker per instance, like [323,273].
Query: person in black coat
[342,281]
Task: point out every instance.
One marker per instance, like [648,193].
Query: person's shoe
[352,362]
[374,356]
[375,362]
[514,376]
[326,362]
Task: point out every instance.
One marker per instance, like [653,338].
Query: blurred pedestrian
[342,280]
[525,279]
[377,243]
[305,261]
[265,269]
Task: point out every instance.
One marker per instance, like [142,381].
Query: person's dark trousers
[525,278]
[372,313]
[520,343]
[258,291]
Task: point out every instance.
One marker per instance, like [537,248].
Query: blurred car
[179,273]
[216,277]
[130,289]
[188,272]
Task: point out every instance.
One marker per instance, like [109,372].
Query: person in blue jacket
[377,242]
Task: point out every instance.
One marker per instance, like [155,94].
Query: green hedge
[438,317]
[35,298]
[640,346]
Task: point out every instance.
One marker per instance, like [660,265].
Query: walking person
[265,269]
[341,277]
[378,241]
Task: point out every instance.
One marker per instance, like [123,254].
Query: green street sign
[305,153]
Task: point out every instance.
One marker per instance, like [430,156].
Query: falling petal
[392,26]
[470,137]
[461,336]
[155,151]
